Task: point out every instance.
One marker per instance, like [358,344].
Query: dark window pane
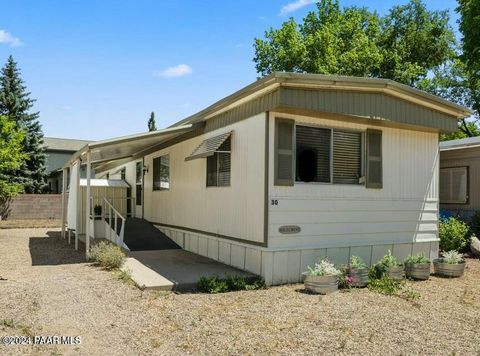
[156,173]
[212,170]
[316,141]
[347,157]
[138,195]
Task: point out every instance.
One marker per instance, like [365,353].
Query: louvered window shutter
[374,176]
[284,152]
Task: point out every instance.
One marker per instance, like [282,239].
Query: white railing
[113,219]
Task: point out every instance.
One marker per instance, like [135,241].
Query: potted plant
[322,278]
[357,271]
[451,264]
[390,267]
[417,267]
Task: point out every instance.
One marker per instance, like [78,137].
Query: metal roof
[64,144]
[468,142]
[127,146]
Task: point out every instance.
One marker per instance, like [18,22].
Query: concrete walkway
[176,269]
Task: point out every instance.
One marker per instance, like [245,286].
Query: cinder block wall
[36,206]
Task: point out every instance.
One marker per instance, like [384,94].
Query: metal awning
[128,147]
[209,146]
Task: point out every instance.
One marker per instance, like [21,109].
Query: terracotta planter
[418,271]
[359,277]
[448,269]
[395,273]
[320,284]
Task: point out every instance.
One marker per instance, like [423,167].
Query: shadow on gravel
[53,250]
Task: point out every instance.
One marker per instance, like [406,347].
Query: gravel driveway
[51,291]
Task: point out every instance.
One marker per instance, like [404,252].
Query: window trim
[467,189]
[159,189]
[331,128]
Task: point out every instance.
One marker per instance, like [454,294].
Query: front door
[138,190]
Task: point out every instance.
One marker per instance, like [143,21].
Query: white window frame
[451,170]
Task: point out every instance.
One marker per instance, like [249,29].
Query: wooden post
[87,207]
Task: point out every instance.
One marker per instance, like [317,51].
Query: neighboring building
[459,174]
[290,169]
[58,151]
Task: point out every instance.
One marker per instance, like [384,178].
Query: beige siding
[469,157]
[236,211]
[333,216]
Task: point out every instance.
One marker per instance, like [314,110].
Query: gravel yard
[51,291]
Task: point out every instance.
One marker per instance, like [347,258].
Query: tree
[15,102]
[152,126]
[404,45]
[12,158]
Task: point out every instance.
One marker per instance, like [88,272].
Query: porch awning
[209,146]
[128,147]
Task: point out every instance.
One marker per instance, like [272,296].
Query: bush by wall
[107,255]
[454,234]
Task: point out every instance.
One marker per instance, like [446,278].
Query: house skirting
[285,266]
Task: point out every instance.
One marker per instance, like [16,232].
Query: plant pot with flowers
[322,278]
[390,267]
[417,267]
[451,264]
[357,272]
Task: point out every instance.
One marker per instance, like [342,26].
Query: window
[219,166]
[454,185]
[138,183]
[161,173]
[123,174]
[328,155]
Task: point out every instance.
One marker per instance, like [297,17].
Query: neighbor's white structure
[290,169]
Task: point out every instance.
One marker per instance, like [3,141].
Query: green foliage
[323,268]
[97,210]
[379,270]
[8,323]
[452,257]
[384,285]
[229,283]
[469,11]
[11,158]
[15,102]
[403,45]
[416,259]
[454,234]
[152,126]
[357,263]
[107,255]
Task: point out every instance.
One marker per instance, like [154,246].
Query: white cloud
[294,6]
[7,38]
[175,71]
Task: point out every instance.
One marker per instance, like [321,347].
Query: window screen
[347,157]
[161,173]
[219,166]
[454,185]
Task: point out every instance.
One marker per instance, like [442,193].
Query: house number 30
[274,202]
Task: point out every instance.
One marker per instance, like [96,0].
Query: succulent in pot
[451,264]
[357,272]
[322,278]
[390,267]
[417,267]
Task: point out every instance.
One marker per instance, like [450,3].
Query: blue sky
[98,68]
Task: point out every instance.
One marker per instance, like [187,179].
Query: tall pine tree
[15,102]
[152,125]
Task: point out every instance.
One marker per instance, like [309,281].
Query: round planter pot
[320,284]
[359,277]
[447,269]
[396,273]
[418,271]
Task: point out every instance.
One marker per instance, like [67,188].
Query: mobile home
[290,169]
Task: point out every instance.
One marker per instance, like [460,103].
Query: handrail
[116,213]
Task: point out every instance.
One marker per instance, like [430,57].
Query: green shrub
[454,234]
[357,263]
[384,285]
[107,255]
[229,283]
[452,257]
[416,259]
[379,269]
